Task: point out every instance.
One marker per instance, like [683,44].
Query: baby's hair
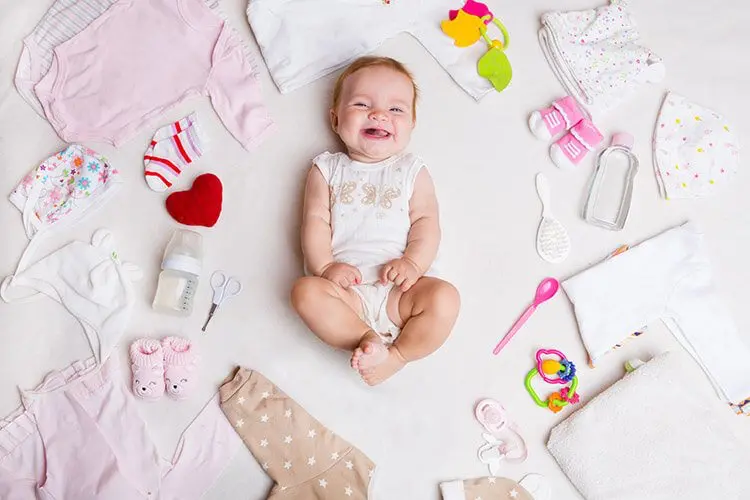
[369,62]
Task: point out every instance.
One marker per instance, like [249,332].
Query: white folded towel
[655,435]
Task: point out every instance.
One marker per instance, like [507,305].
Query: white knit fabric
[654,435]
[89,281]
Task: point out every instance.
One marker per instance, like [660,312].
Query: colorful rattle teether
[554,371]
[466,26]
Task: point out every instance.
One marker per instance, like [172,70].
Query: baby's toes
[356,357]
[370,378]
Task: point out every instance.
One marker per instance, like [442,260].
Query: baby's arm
[316,223]
[317,234]
[424,236]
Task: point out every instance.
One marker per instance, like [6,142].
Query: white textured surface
[553,242]
[420,428]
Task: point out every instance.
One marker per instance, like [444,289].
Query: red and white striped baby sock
[173,148]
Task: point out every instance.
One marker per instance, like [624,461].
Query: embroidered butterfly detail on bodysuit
[387,195]
[345,195]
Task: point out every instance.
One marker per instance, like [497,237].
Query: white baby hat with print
[696,152]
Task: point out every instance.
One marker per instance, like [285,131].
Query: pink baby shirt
[139,59]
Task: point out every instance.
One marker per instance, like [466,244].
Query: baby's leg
[330,311]
[427,313]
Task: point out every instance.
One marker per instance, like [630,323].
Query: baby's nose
[378,115]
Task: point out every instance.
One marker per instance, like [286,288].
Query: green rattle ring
[564,371]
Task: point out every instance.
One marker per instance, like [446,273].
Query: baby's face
[374,117]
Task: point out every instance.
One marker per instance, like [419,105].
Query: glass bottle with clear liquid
[181,269]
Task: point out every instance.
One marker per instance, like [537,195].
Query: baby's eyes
[396,110]
[360,105]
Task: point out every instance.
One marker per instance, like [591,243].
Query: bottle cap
[184,263]
[623,139]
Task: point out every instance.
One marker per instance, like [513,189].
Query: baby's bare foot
[370,352]
[384,370]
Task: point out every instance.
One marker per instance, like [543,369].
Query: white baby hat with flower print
[63,188]
[696,152]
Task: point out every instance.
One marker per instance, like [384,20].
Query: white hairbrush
[552,240]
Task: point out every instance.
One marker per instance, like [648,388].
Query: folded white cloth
[596,56]
[303,40]
[653,436]
[668,277]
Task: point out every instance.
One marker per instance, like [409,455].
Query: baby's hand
[402,272]
[342,274]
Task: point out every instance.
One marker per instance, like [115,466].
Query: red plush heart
[200,205]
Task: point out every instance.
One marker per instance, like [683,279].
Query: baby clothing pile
[82,70]
[596,55]
[94,81]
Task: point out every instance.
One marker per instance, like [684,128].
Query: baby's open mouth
[377,133]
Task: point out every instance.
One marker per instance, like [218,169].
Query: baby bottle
[181,268]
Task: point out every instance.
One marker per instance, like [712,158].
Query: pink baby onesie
[79,436]
[141,58]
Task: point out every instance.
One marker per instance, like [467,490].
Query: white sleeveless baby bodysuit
[370,223]
[369,208]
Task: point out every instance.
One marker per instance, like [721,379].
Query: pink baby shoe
[548,122]
[147,363]
[571,148]
[181,363]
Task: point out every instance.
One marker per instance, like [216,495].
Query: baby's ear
[334,120]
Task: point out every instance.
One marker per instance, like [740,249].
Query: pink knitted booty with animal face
[180,366]
[147,364]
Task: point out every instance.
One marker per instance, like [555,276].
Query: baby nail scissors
[224,287]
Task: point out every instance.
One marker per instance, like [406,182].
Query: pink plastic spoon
[545,291]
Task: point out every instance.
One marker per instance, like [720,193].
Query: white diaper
[374,298]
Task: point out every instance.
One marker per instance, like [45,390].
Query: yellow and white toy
[466,26]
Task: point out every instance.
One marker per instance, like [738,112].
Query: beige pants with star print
[305,460]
